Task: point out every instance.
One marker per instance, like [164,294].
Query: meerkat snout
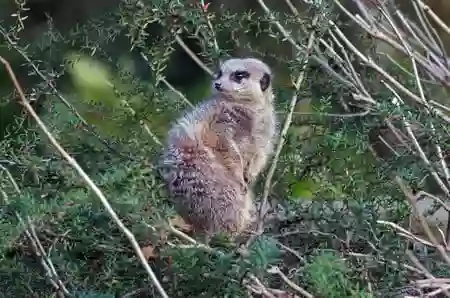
[218,86]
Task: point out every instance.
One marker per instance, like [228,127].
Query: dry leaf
[149,252]
[179,223]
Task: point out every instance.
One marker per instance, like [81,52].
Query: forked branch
[85,177]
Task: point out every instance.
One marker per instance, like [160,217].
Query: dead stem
[284,131]
[300,290]
[36,245]
[85,177]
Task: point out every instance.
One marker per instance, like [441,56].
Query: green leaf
[93,80]
[303,189]
[263,252]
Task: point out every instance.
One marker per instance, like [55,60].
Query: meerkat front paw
[244,185]
[250,179]
[246,179]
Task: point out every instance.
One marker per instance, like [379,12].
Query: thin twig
[181,95]
[86,126]
[424,271]
[406,233]
[300,290]
[422,219]
[381,71]
[433,15]
[191,54]
[377,260]
[422,96]
[205,14]
[256,286]
[34,240]
[190,239]
[283,31]
[86,178]
[349,115]
[178,92]
[427,64]
[284,131]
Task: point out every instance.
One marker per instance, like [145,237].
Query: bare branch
[300,290]
[191,54]
[36,245]
[284,131]
[433,15]
[86,178]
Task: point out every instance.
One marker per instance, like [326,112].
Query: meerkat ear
[265,81]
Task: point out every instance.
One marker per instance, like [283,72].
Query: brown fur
[216,149]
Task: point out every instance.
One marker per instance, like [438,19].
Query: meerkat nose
[218,86]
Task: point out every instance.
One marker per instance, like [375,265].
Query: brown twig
[284,131]
[191,54]
[170,86]
[422,219]
[300,290]
[85,177]
[433,15]
[34,240]
[85,125]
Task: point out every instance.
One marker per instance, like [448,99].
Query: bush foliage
[365,137]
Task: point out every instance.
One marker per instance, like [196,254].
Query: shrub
[362,138]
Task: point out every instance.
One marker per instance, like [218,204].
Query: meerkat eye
[237,76]
[218,75]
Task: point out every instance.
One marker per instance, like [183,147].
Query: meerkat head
[247,79]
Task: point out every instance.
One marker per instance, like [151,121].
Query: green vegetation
[108,87]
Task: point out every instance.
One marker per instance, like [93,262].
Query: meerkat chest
[249,126]
[264,126]
[240,121]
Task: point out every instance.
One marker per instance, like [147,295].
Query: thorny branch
[85,125]
[297,288]
[86,178]
[427,230]
[411,40]
[287,122]
[381,31]
[252,283]
[172,88]
[378,30]
[34,240]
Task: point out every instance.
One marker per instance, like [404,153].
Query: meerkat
[217,150]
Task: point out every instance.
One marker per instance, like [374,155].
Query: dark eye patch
[265,81]
[237,76]
[218,75]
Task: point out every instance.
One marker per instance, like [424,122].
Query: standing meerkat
[215,151]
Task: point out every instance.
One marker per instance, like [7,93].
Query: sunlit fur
[215,151]
[257,145]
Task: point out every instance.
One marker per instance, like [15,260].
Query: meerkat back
[203,172]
